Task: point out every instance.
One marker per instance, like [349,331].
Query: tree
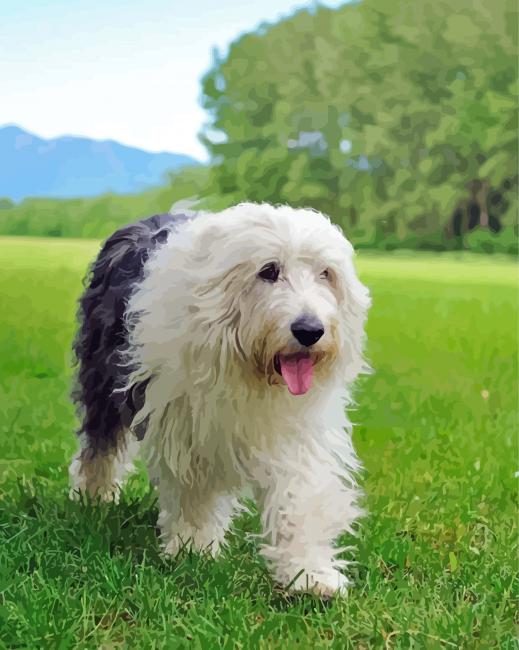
[392,117]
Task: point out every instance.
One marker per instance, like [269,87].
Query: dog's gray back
[102,331]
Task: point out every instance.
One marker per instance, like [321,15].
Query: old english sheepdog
[222,347]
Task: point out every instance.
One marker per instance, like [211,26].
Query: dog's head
[280,296]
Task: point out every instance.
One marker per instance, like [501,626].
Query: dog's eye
[269,272]
[325,275]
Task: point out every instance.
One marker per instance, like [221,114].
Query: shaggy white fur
[235,400]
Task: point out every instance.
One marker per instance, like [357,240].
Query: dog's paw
[108,495]
[176,544]
[325,582]
[105,496]
[93,487]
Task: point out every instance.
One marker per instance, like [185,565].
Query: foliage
[437,431]
[97,217]
[396,118]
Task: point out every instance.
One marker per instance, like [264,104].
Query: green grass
[437,431]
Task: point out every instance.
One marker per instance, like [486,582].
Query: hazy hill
[69,166]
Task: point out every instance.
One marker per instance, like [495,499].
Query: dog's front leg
[306,503]
[195,516]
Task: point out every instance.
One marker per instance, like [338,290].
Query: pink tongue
[298,373]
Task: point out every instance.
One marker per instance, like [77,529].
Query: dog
[222,347]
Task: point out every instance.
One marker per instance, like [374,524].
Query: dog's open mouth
[297,370]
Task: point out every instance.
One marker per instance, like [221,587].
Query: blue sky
[123,69]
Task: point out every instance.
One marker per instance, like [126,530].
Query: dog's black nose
[307,330]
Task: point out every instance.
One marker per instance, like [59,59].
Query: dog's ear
[354,306]
[341,253]
[358,293]
[218,297]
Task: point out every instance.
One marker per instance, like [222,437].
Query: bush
[97,217]
[485,241]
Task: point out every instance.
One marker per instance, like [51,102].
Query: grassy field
[437,432]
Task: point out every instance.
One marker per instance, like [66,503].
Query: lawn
[436,430]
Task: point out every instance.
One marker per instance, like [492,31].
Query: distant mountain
[69,166]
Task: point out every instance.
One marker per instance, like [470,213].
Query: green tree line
[396,118]
[98,217]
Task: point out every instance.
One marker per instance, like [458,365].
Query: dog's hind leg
[101,472]
[105,412]
[107,447]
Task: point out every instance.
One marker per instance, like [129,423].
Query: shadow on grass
[101,563]
[46,531]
